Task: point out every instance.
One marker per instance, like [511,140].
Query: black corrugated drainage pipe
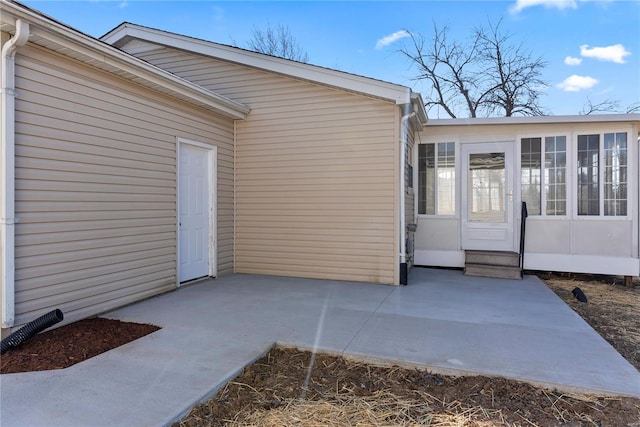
[30,330]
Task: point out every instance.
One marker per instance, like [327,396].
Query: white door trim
[492,230]
[213,203]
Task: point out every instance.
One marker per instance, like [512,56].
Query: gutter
[7,156]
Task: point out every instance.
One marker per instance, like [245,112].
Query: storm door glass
[487,187]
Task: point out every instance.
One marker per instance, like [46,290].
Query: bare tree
[513,75]
[446,67]
[484,76]
[608,106]
[277,41]
[633,108]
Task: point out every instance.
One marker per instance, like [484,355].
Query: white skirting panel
[546,262]
[582,264]
[438,258]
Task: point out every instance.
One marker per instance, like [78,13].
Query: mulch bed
[65,346]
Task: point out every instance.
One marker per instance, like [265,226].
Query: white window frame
[571,169]
[631,187]
[416,177]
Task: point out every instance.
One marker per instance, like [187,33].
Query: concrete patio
[443,321]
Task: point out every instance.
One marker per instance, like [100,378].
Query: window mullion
[436,184]
[543,178]
[602,162]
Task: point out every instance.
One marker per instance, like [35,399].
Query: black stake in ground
[580,296]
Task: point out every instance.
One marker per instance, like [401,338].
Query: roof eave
[338,79]
[101,55]
[599,118]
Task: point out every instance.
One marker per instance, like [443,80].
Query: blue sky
[592,47]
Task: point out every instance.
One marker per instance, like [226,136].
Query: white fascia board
[418,107]
[313,73]
[599,118]
[95,52]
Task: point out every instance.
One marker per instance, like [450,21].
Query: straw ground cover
[293,388]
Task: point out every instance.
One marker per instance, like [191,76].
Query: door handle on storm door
[511,196]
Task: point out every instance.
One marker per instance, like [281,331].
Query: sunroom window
[615,174]
[602,188]
[437,179]
[543,169]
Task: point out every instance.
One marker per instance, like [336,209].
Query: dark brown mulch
[70,344]
[272,391]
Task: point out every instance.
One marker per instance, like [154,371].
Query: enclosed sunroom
[578,176]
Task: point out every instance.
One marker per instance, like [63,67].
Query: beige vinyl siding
[96,187]
[316,173]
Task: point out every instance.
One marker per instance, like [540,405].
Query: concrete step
[496,271]
[509,259]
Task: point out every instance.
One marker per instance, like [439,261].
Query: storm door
[488,196]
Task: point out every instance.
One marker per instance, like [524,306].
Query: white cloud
[558,4]
[577,83]
[391,38]
[570,60]
[615,53]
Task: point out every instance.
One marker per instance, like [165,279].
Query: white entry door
[488,197]
[196,212]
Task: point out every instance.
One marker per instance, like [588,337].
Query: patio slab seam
[369,317]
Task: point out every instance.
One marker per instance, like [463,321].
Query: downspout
[235,192]
[404,132]
[7,155]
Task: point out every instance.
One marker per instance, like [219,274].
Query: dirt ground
[294,388]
